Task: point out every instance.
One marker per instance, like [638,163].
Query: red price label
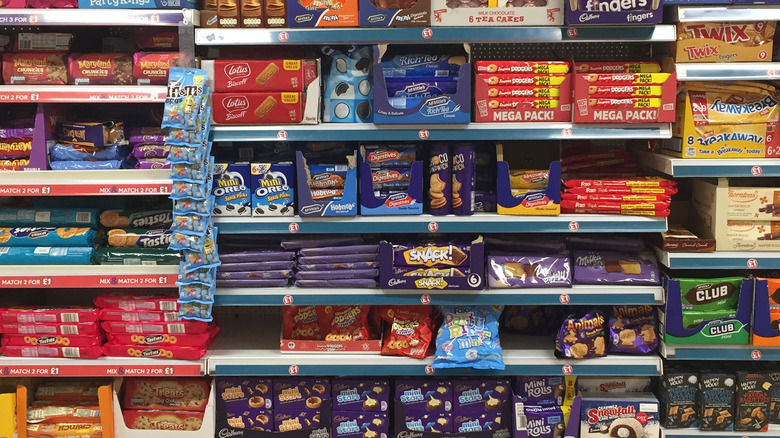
[762,54]
[433,227]
[564,298]
[281,135]
[33,19]
[427,33]
[567,369]
[294,227]
[771,74]
[756,171]
[425,299]
[752,263]
[755,354]
[574,226]
[424,134]
[294,370]
[154,18]
[566,132]
[287,300]
[284,36]
[571,32]
[429,370]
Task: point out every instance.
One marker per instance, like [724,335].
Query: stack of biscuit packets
[187,113]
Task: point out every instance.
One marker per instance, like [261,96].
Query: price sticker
[429,370]
[574,226]
[54,371]
[756,171]
[427,33]
[433,227]
[752,264]
[168,371]
[566,132]
[294,370]
[567,369]
[281,135]
[572,32]
[287,300]
[425,299]
[771,74]
[283,37]
[294,227]
[755,354]
[33,19]
[424,134]
[564,298]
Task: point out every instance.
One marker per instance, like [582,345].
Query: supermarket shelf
[577,295]
[87,276]
[85,182]
[82,93]
[719,260]
[743,71]
[18,367]
[694,13]
[720,352]
[695,167]
[217,37]
[774,430]
[478,223]
[98,17]
[473,131]
[260,356]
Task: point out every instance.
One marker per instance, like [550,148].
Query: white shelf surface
[576,295]
[742,71]
[85,182]
[98,17]
[704,168]
[236,355]
[477,223]
[17,367]
[88,276]
[209,37]
[719,13]
[774,431]
[82,93]
[715,352]
[719,259]
[472,131]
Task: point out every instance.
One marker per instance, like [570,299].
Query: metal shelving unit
[705,168]
[739,71]
[20,367]
[88,276]
[85,182]
[82,93]
[720,352]
[719,260]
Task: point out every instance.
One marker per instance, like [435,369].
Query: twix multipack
[725,41]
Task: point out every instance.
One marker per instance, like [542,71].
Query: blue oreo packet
[468,338]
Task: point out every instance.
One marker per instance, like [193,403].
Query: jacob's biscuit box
[725,41]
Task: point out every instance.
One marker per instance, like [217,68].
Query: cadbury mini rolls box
[545,390]
[607,415]
[423,395]
[360,395]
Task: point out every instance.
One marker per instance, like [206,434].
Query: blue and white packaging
[273,189]
[231,190]
[605,415]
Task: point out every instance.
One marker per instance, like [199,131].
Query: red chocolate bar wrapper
[14,164]
[522,103]
[522,79]
[149,38]
[151,68]
[623,190]
[617,67]
[54,341]
[628,78]
[521,91]
[263,75]
[274,107]
[639,182]
[615,206]
[503,67]
[617,197]
[100,69]
[53,351]
[656,213]
[617,91]
[34,69]
[11,148]
[636,102]
[168,352]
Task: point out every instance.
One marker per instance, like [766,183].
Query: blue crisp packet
[86,165]
[185,95]
[191,224]
[206,258]
[194,173]
[73,152]
[196,310]
[468,338]
[184,154]
[197,191]
[204,276]
[193,206]
[196,292]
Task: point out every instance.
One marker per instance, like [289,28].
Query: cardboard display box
[765,327]
[504,13]
[310,207]
[487,110]
[409,201]
[579,12]
[410,13]
[327,13]
[546,202]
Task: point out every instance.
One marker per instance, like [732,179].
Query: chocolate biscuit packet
[632,330]
[581,337]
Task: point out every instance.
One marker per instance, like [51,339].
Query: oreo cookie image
[363,111]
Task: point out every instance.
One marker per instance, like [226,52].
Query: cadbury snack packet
[440,173]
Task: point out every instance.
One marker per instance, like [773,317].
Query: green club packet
[692,318]
[707,294]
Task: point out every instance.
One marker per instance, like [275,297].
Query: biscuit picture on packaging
[267,74]
[266,106]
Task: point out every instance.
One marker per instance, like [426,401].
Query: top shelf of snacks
[98,17]
[222,37]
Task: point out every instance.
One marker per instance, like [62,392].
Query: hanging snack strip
[187,116]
